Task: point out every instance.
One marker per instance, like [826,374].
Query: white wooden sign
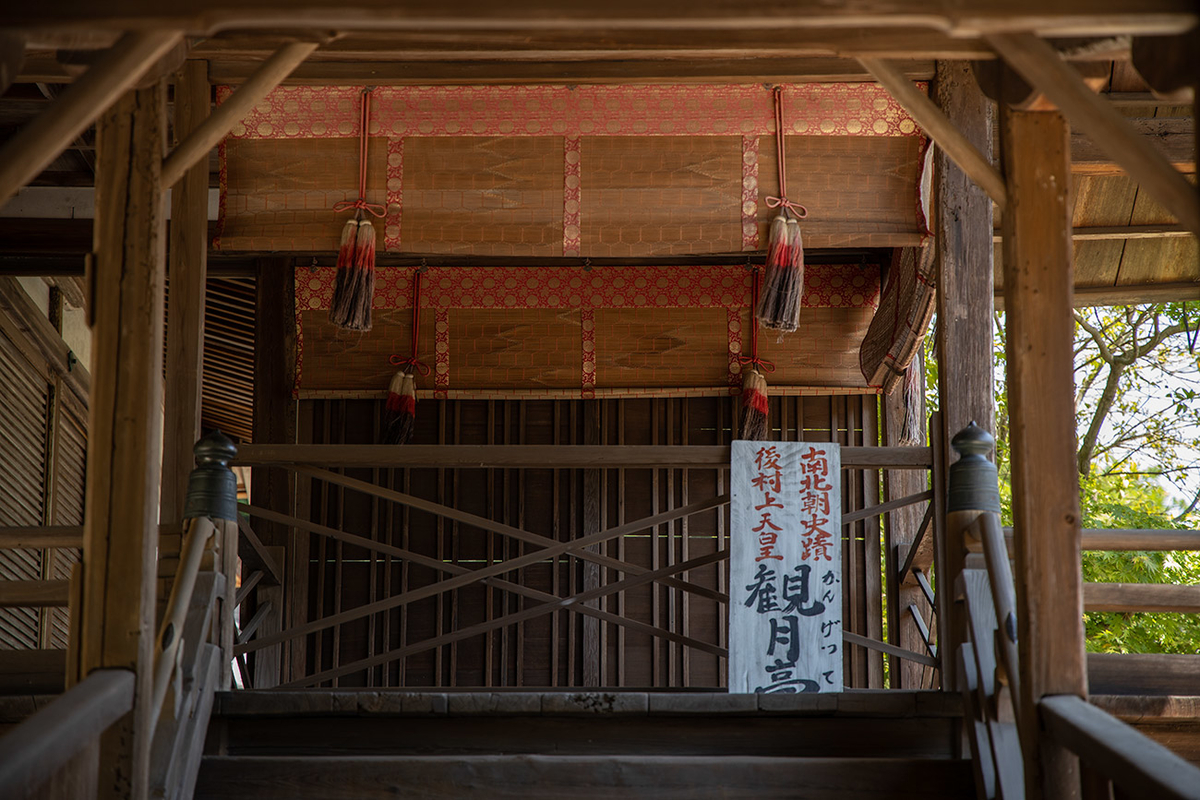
[785,575]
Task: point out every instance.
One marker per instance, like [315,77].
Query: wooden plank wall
[548,651]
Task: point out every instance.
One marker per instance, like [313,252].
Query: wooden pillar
[963,237]
[900,532]
[1038,278]
[274,423]
[592,503]
[187,268]
[120,531]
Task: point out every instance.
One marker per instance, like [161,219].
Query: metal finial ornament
[212,486]
[974,484]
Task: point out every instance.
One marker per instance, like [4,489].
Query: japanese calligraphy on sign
[785,576]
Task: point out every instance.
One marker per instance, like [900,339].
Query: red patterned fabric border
[825,286]
[733,322]
[441,350]
[777,390]
[587,326]
[813,109]
[750,192]
[395,194]
[571,195]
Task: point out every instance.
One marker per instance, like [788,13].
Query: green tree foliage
[1138,425]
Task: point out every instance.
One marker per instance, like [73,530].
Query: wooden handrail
[38,748]
[1131,539]
[1004,593]
[534,456]
[170,636]
[1140,766]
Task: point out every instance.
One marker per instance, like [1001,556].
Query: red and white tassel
[354,286]
[779,304]
[754,405]
[401,409]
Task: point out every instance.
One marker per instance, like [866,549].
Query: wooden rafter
[214,128]
[1038,63]
[52,131]
[939,127]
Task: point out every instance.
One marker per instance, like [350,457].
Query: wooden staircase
[361,744]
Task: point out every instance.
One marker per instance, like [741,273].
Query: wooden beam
[467,456]
[1135,597]
[33,594]
[274,380]
[195,148]
[963,238]
[1162,674]
[37,537]
[1038,274]
[1075,19]
[1109,233]
[1139,766]
[1088,296]
[940,128]
[187,269]
[619,68]
[52,131]
[125,421]
[903,530]
[1041,66]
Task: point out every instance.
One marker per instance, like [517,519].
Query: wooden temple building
[571,205]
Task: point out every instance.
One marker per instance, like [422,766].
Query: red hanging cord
[361,204]
[753,359]
[797,210]
[411,362]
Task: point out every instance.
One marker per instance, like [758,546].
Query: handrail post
[212,492]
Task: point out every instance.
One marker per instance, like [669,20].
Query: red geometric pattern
[829,109]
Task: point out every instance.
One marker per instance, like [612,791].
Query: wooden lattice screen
[553,650]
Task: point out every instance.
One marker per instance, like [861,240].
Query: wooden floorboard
[582,778]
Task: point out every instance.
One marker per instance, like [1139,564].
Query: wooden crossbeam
[1039,64]
[34,594]
[509,619]
[33,537]
[496,527]
[920,554]
[1076,18]
[883,508]
[1131,597]
[214,128]
[52,131]
[884,647]
[257,554]
[533,456]
[455,569]
[495,569]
